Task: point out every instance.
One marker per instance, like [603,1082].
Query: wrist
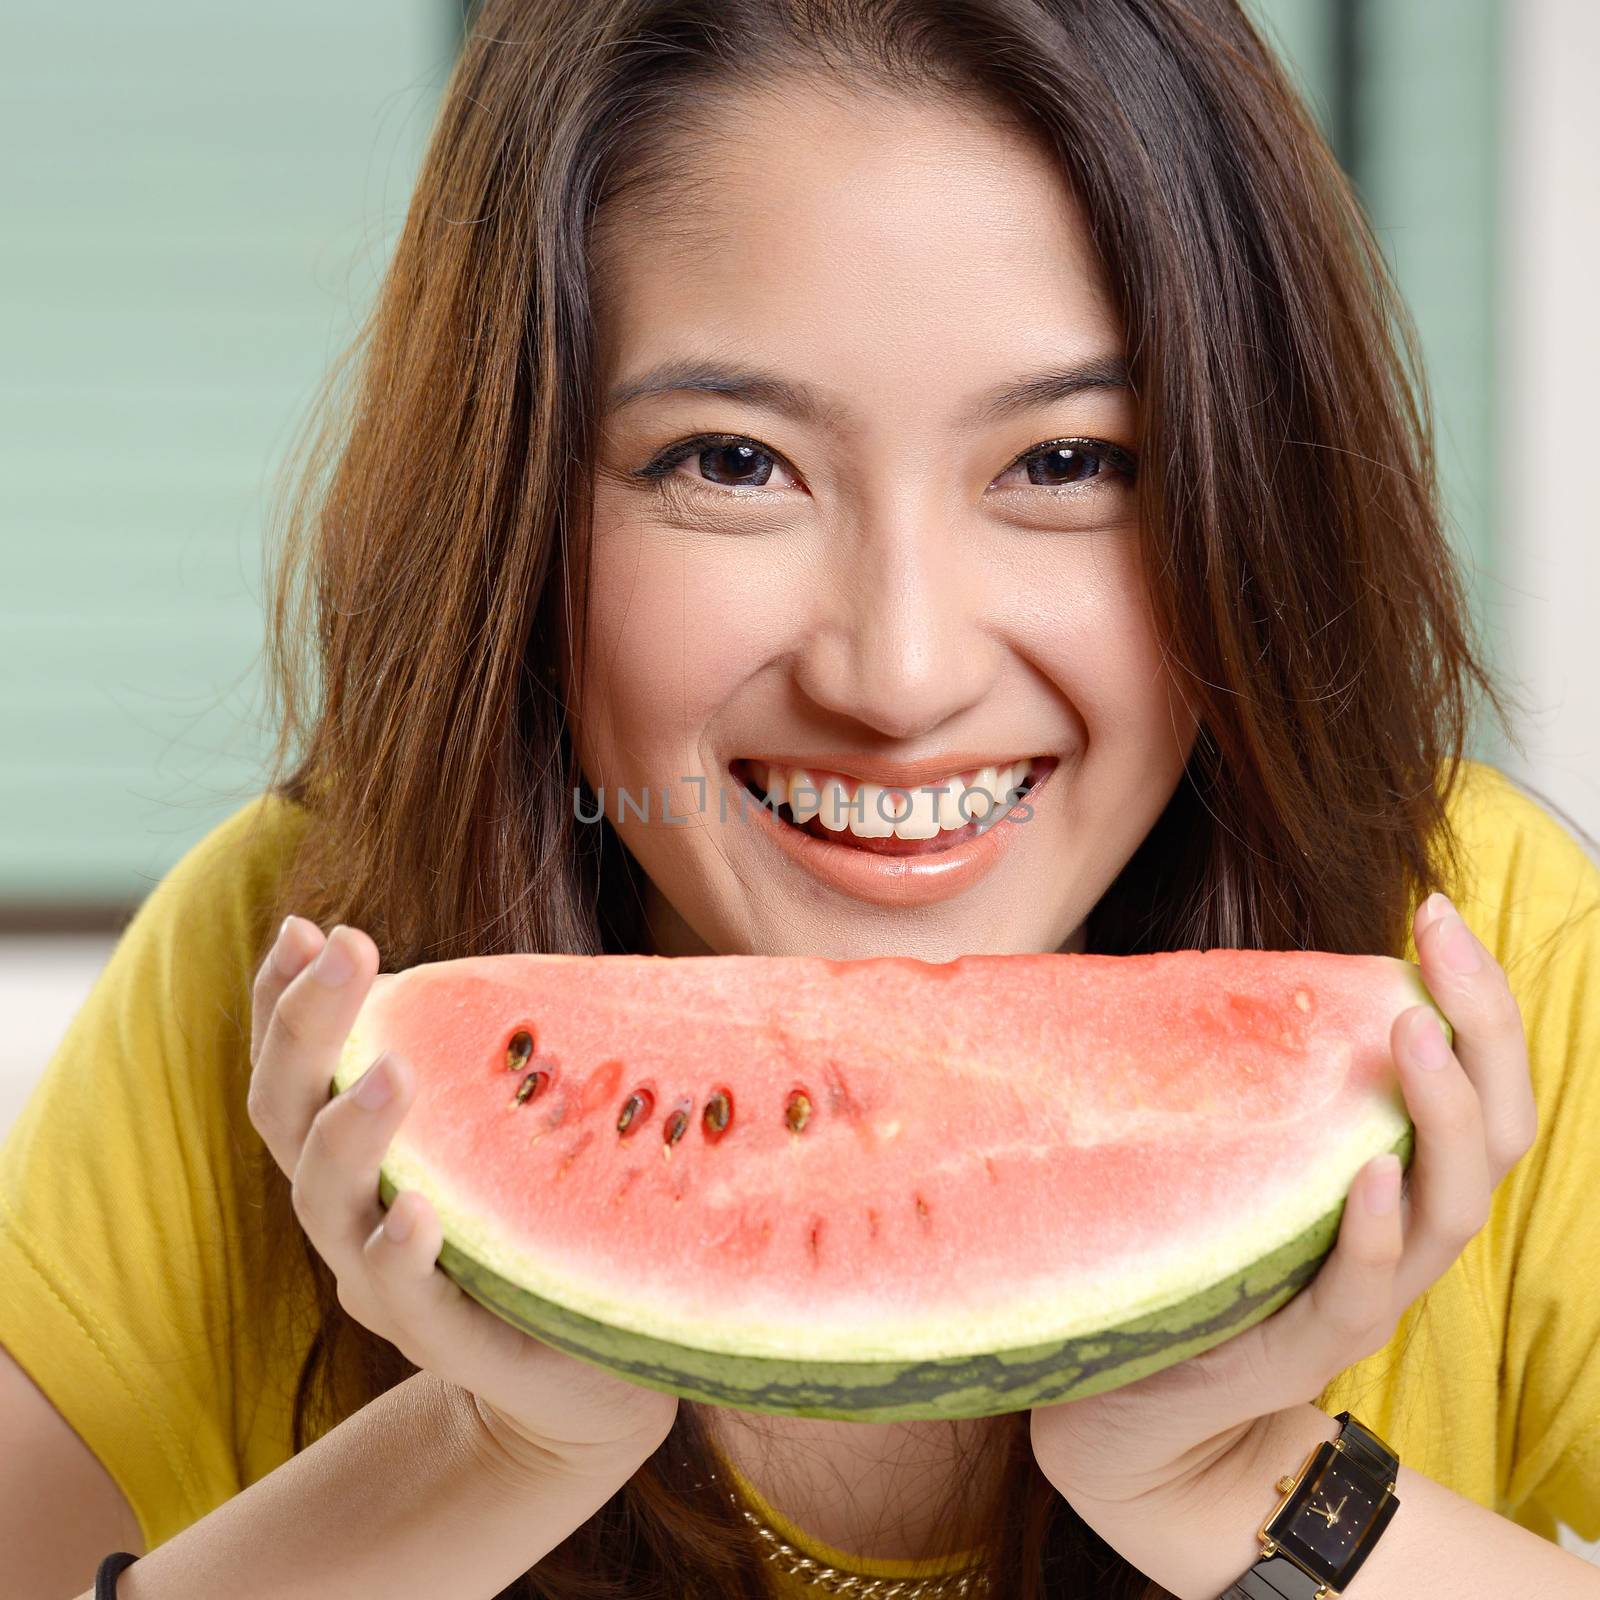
[515,1459]
[1198,1540]
[521,1460]
[1247,1498]
[1277,1449]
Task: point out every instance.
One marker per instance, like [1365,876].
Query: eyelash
[659,470]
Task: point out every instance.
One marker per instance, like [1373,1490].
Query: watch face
[1332,1515]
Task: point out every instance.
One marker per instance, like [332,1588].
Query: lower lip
[898,880]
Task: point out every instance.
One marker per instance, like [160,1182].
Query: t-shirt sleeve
[1540,913]
[120,1191]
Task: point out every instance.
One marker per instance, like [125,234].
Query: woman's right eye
[728,460]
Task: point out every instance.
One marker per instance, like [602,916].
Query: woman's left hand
[1139,1462]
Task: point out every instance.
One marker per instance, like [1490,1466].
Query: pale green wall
[198,200]
[1430,106]
[1302,31]
[1427,112]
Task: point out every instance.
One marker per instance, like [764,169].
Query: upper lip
[899,774]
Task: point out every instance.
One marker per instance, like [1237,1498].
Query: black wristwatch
[1328,1520]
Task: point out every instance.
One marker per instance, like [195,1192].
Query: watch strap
[1275,1578]
[1366,1450]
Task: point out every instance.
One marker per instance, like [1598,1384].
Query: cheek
[1092,632]
[676,624]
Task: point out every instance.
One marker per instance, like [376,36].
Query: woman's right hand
[545,1408]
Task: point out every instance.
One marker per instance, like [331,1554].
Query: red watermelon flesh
[887,1187]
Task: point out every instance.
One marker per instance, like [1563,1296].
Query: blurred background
[200,201]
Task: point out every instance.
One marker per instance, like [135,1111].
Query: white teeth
[877,811]
[805,799]
[835,806]
[1005,784]
[980,799]
[921,821]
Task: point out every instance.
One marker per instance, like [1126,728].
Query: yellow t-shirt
[123,1292]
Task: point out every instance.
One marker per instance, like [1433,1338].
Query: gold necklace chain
[831,1580]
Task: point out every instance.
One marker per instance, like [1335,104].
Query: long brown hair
[434,549]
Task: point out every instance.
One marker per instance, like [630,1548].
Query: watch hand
[1340,1507]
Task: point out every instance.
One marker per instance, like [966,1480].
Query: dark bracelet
[112,1568]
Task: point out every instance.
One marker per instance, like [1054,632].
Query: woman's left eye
[1067,463]
[732,461]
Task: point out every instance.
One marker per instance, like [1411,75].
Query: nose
[899,638]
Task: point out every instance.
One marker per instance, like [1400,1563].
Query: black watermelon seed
[798,1110]
[531,1085]
[675,1125]
[635,1111]
[718,1114]
[518,1051]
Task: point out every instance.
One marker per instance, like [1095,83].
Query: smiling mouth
[748,774]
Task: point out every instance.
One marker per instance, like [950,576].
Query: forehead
[868,240]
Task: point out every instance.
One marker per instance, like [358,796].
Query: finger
[1470,988]
[1448,1183]
[1430,910]
[335,1185]
[305,1035]
[437,1325]
[297,943]
[1349,1309]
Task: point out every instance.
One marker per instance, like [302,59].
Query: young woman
[888,391]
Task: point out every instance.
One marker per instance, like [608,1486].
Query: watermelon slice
[888,1188]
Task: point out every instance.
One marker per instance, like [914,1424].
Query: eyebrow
[773,392]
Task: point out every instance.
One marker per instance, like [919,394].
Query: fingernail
[397,1223]
[1436,905]
[1427,1042]
[374,1086]
[1459,947]
[334,966]
[283,957]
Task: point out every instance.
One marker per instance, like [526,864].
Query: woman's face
[909,580]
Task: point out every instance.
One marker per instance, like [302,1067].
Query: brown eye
[733,465]
[1063,464]
[727,461]
[1071,463]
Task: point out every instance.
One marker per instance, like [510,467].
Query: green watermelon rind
[882,1387]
